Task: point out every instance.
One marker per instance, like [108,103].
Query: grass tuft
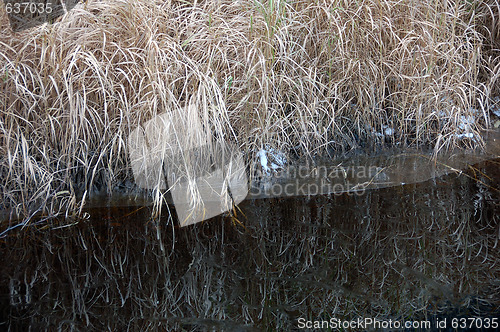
[306,76]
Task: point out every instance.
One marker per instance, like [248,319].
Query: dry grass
[299,75]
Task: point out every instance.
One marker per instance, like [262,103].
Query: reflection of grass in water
[299,74]
[407,252]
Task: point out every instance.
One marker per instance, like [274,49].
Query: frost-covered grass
[297,75]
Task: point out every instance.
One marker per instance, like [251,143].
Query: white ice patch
[386,131]
[279,157]
[442,114]
[495,108]
[271,159]
[466,121]
[466,135]
[262,155]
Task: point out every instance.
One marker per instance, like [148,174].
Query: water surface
[423,250]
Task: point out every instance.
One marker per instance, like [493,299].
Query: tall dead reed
[297,75]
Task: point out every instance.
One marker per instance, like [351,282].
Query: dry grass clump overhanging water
[305,76]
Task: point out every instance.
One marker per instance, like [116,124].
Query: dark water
[421,251]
